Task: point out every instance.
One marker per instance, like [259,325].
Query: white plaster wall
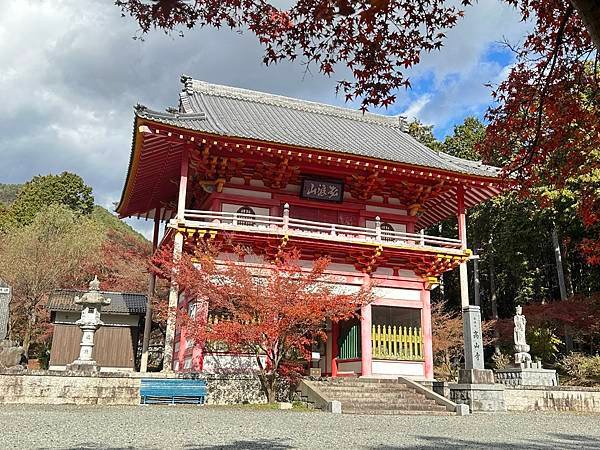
[231,208]
[397,293]
[398,368]
[401,212]
[247,192]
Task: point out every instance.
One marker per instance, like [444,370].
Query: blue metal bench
[172,391]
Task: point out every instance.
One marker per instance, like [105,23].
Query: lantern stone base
[527,374]
[83,367]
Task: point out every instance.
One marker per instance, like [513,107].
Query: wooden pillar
[335,334]
[462,235]
[366,357]
[172,311]
[427,333]
[151,286]
[183,177]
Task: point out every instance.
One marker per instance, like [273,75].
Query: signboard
[330,191]
[4,302]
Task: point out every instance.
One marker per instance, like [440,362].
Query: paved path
[155,427]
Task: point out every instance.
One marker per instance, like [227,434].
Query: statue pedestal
[527,374]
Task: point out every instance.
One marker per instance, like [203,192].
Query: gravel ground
[156,427]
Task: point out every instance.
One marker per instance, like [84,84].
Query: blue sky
[71,73]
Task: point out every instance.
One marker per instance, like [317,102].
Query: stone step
[362,389]
[370,387]
[387,397]
[396,412]
[411,406]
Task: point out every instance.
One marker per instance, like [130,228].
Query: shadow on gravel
[554,441]
[274,444]
[250,445]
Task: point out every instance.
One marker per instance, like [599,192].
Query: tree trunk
[589,11]
[494,303]
[559,265]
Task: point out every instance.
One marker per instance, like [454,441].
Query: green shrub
[581,369]
[544,343]
[501,360]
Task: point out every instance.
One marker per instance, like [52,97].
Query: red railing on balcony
[319,230]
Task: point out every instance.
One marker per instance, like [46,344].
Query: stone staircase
[375,396]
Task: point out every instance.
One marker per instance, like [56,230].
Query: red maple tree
[271,310]
[544,127]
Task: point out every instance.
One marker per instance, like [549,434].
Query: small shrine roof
[242,113]
[121,302]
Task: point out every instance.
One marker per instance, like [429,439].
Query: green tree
[65,189]
[423,133]
[463,142]
[42,256]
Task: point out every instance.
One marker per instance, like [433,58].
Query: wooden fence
[397,343]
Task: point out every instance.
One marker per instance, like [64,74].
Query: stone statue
[521,348]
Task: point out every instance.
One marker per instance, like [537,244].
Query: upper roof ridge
[192,86]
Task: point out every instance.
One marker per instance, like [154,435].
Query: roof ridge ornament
[188,84]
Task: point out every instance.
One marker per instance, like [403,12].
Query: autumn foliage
[274,311]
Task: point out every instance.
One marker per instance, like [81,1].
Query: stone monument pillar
[524,372]
[476,386]
[91,305]
[4,304]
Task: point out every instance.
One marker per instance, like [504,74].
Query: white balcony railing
[318,230]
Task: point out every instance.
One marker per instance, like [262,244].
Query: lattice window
[245,220]
[386,231]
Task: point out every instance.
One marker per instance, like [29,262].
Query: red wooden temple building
[273,172]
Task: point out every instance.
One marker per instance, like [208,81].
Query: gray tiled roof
[121,302]
[235,112]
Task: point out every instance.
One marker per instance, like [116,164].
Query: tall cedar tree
[544,125]
[273,311]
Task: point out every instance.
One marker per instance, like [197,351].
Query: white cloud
[71,73]
[414,109]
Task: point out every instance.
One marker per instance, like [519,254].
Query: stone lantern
[91,305]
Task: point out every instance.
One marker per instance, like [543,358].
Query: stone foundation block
[479,397]
[518,376]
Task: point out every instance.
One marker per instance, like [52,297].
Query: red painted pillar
[365,341]
[427,336]
[335,333]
